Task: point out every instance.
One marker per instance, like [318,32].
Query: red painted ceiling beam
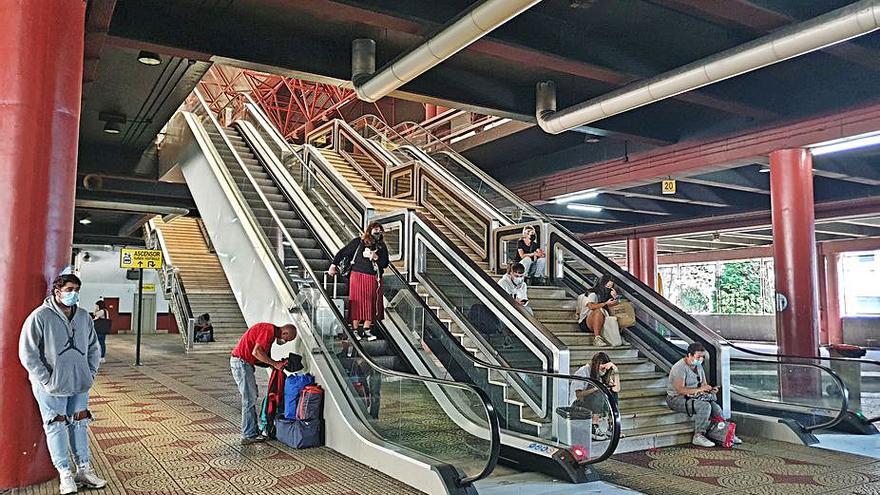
[824,211]
[515,54]
[690,158]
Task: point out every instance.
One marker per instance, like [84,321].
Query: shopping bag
[625,313]
[611,331]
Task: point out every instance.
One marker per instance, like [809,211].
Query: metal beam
[697,157]
[735,179]
[485,137]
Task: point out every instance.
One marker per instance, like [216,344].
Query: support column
[648,261]
[633,259]
[832,298]
[823,299]
[430,111]
[41,83]
[794,251]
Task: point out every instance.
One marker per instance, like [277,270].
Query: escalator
[662,329]
[423,339]
[433,434]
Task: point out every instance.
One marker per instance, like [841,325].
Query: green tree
[739,288]
[694,301]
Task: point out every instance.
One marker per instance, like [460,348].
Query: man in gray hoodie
[59,349]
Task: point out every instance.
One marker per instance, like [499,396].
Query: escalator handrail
[571,378]
[844,403]
[491,413]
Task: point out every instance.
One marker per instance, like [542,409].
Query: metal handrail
[173,284]
[614,408]
[492,415]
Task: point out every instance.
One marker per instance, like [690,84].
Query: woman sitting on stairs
[591,307]
[600,368]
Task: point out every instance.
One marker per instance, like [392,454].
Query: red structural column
[430,111]
[823,299]
[794,251]
[648,261]
[633,259]
[832,298]
[41,83]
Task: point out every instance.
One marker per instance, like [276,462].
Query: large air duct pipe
[834,27]
[469,27]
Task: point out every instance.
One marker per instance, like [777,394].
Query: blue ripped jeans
[66,436]
[243,373]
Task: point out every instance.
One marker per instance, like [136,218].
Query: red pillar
[823,300]
[41,83]
[430,111]
[832,298]
[633,259]
[794,250]
[648,261]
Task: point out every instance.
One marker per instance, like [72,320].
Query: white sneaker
[103,360]
[68,483]
[700,440]
[369,335]
[737,440]
[87,477]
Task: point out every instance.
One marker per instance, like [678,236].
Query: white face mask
[518,279]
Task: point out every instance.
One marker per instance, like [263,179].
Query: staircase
[306,242]
[205,283]
[645,419]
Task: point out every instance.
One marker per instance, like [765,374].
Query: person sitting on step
[689,392]
[514,284]
[591,307]
[531,256]
[588,397]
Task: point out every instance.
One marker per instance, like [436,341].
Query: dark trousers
[102,339]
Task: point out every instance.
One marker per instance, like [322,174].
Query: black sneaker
[253,440]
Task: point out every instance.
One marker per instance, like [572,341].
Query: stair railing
[172,287]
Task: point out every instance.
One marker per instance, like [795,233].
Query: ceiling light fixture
[846,144]
[149,58]
[591,138]
[568,198]
[764,169]
[589,208]
[113,122]
[85,220]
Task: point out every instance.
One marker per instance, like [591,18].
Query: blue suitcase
[298,434]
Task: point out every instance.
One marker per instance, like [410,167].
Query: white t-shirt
[583,371]
[582,301]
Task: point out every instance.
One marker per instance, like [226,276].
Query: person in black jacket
[368,257]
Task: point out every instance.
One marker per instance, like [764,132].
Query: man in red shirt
[254,346]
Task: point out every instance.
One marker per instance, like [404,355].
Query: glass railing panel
[443,348]
[811,394]
[444,204]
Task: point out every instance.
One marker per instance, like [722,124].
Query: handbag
[347,262]
[625,313]
[721,432]
[611,331]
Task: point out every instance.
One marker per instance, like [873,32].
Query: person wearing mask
[514,284]
[253,347]
[531,256]
[60,351]
[102,323]
[689,392]
[586,396]
[368,257]
[591,307]
[203,330]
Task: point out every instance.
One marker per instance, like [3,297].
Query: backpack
[273,403]
[721,432]
[293,386]
[310,401]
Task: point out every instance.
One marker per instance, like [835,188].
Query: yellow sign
[140,258]
[668,186]
[149,287]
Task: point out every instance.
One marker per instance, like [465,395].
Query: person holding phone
[531,256]
[592,306]
[514,284]
[368,256]
[689,392]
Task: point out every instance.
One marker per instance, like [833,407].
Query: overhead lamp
[149,58]
[85,220]
[846,144]
[589,208]
[591,138]
[764,169]
[568,198]
[113,122]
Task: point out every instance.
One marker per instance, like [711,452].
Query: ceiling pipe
[467,28]
[820,32]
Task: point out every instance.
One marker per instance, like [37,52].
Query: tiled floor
[171,426]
